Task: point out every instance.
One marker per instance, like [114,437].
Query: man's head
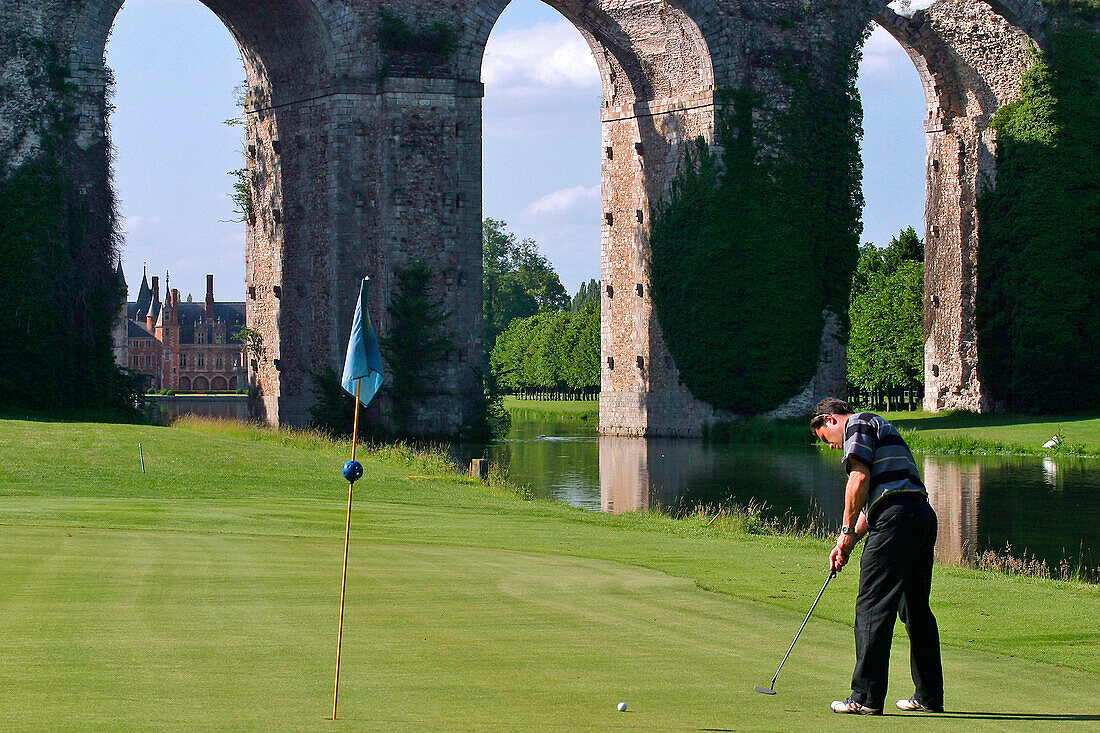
[829,420]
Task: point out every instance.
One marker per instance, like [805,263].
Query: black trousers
[895,579]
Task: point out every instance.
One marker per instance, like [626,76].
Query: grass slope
[202,595]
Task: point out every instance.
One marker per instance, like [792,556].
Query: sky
[176,67]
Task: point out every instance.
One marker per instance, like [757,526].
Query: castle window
[200,334]
[218,363]
[200,361]
[183,360]
[134,361]
[148,360]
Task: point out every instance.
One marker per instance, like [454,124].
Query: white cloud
[136,224]
[544,57]
[564,203]
[908,7]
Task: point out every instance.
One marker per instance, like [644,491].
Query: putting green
[112,629]
[203,596]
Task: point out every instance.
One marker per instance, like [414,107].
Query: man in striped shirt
[886,502]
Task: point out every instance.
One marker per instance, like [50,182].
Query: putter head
[765,690]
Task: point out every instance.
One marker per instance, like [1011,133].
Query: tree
[519,282]
[551,351]
[588,293]
[415,345]
[886,347]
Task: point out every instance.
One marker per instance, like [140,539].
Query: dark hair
[828,406]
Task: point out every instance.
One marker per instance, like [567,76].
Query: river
[1044,508]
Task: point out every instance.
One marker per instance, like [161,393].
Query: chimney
[174,314]
[149,320]
[209,297]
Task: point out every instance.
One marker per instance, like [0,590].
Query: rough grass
[202,595]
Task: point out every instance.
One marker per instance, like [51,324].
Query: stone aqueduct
[363,157]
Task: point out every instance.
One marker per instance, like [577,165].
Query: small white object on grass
[622,707]
[1055,441]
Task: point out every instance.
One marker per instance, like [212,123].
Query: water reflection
[1039,506]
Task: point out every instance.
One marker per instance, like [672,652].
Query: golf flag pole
[363,361]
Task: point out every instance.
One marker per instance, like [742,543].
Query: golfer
[886,502]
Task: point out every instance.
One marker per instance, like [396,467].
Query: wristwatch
[848,530]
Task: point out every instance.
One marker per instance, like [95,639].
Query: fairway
[163,603]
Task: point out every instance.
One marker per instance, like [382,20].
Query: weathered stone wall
[970,60]
[363,158]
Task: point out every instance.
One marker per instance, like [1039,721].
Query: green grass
[586,410]
[959,432]
[951,433]
[203,595]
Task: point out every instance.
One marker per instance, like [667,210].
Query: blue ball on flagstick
[353,471]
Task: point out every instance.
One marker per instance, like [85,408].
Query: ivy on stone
[1038,302]
[758,239]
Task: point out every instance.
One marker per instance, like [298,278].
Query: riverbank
[202,594]
[587,411]
[944,433]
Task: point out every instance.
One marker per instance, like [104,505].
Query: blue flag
[363,360]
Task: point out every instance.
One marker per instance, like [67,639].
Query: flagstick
[347,537]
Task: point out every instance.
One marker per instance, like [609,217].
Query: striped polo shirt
[877,443]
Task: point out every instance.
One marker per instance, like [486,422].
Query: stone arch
[658,78]
[185,383]
[296,81]
[642,52]
[200,384]
[218,384]
[970,56]
[280,42]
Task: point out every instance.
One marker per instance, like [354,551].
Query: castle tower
[119,341]
[168,333]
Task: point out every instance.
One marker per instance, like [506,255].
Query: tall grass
[427,458]
[1008,562]
[760,431]
[964,444]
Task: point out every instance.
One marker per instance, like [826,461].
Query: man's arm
[855,496]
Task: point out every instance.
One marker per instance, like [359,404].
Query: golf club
[770,690]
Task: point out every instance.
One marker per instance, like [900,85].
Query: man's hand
[838,558]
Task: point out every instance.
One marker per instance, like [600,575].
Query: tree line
[886,342]
[539,340]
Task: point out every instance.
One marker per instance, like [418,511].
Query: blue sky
[176,65]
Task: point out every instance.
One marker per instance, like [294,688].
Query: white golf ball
[622,707]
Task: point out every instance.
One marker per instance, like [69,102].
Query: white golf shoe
[913,705]
[852,707]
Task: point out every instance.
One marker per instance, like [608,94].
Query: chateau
[180,345]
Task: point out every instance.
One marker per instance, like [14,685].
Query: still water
[1040,507]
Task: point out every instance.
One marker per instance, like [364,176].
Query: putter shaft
[812,607]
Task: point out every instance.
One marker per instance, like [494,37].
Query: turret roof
[144,298]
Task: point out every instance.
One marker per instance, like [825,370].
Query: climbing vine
[58,253]
[758,239]
[1037,304]
[413,51]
